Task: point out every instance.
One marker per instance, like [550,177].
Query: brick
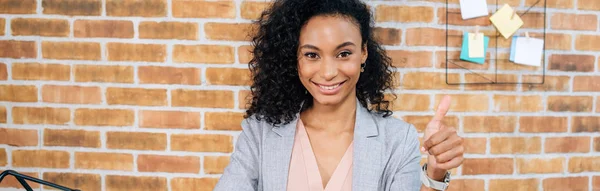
[411,102]
[432,37]
[454,18]
[37,71]
[136,8]
[102,29]
[515,145]
[475,166]
[168,30]
[586,84]
[39,27]
[588,5]
[489,124]
[103,73]
[533,20]
[565,21]
[71,138]
[136,52]
[229,31]
[41,115]
[596,183]
[3,70]
[410,59]
[565,183]
[514,184]
[228,76]
[211,9]
[136,141]
[18,6]
[228,121]
[567,145]
[487,78]
[213,54]
[584,164]
[245,54]
[3,114]
[135,183]
[215,164]
[420,121]
[202,98]
[40,158]
[560,4]
[466,102]
[245,98]
[2,25]
[198,184]
[71,94]
[572,63]
[71,50]
[3,157]
[168,75]
[597,144]
[72,8]
[510,103]
[18,137]
[104,161]
[542,124]
[540,165]
[387,36]
[16,93]
[428,80]
[17,49]
[570,103]
[585,124]
[587,42]
[172,164]
[404,14]
[202,143]
[454,62]
[169,119]
[551,83]
[475,145]
[253,10]
[136,96]
[91,182]
[11,181]
[512,3]
[467,184]
[557,41]
[104,117]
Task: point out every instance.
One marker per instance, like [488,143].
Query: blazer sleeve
[242,172]
[407,176]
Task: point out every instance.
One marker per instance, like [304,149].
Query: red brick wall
[148,95]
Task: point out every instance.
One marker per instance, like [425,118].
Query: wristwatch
[430,183]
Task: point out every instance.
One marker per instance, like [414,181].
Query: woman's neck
[331,118]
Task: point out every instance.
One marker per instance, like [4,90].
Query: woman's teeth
[329,87]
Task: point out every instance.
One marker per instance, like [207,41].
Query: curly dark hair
[277,93]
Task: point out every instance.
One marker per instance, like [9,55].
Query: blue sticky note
[464,53]
[513,46]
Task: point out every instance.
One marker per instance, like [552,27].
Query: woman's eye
[344,54]
[311,55]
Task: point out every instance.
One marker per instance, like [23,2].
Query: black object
[21,178]
[494,79]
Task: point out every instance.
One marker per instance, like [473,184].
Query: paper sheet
[503,22]
[476,45]
[529,51]
[473,8]
[513,45]
[464,53]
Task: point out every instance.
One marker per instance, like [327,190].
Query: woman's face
[329,58]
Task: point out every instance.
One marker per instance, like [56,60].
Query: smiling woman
[318,119]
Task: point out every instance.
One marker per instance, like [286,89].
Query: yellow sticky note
[476,45]
[506,25]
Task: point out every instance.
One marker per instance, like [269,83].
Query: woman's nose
[329,69]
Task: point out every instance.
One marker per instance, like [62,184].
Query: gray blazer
[386,156]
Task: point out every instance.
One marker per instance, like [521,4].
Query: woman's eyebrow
[310,46]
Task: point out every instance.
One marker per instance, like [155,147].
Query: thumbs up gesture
[444,146]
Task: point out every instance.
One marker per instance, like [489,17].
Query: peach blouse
[304,173]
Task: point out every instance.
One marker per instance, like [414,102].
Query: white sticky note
[506,25]
[473,8]
[476,45]
[528,51]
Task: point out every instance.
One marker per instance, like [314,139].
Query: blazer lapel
[366,169]
[277,155]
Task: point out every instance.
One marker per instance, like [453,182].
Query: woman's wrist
[436,174]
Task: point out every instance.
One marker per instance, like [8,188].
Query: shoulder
[396,133]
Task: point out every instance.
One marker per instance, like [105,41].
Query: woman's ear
[365,53]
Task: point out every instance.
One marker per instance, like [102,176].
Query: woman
[318,119]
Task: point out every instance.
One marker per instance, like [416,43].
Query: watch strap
[428,182]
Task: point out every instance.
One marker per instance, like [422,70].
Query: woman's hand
[444,146]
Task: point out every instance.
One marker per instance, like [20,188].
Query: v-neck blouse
[304,173]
